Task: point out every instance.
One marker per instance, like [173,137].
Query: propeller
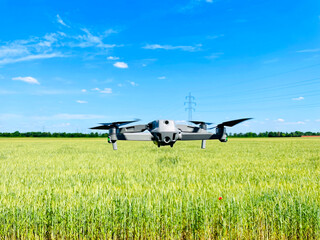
[201,122]
[114,124]
[230,123]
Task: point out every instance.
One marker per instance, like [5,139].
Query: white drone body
[166,132]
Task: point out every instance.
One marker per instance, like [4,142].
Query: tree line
[96,135]
[56,134]
[275,134]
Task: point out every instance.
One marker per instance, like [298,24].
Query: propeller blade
[232,123]
[114,124]
[101,127]
[200,122]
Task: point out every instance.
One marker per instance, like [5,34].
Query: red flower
[220,198]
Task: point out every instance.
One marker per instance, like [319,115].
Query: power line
[270,76]
[258,91]
[190,107]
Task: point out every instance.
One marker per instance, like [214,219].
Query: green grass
[81,188]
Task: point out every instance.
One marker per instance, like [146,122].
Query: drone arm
[187,128]
[134,129]
[147,136]
[198,136]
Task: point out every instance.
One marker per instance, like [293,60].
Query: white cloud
[215,55]
[81,101]
[30,58]
[84,90]
[112,58]
[120,65]
[90,40]
[133,83]
[52,45]
[280,120]
[161,78]
[109,32]
[31,49]
[295,123]
[13,50]
[215,36]
[49,39]
[120,85]
[318,120]
[59,20]
[106,90]
[30,80]
[298,99]
[170,47]
[309,50]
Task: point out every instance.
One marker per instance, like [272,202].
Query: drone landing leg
[114,145]
[203,144]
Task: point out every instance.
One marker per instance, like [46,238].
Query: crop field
[262,188]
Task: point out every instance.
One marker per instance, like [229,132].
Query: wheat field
[261,188]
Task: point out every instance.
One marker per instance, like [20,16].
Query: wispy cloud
[81,101]
[120,65]
[90,40]
[109,32]
[295,123]
[83,90]
[31,49]
[298,99]
[13,50]
[105,90]
[59,20]
[112,58]
[280,120]
[56,44]
[170,47]
[133,83]
[309,50]
[30,80]
[215,36]
[31,57]
[162,77]
[215,55]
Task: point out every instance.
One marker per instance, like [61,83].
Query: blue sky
[67,65]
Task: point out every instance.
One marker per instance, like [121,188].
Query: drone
[166,132]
